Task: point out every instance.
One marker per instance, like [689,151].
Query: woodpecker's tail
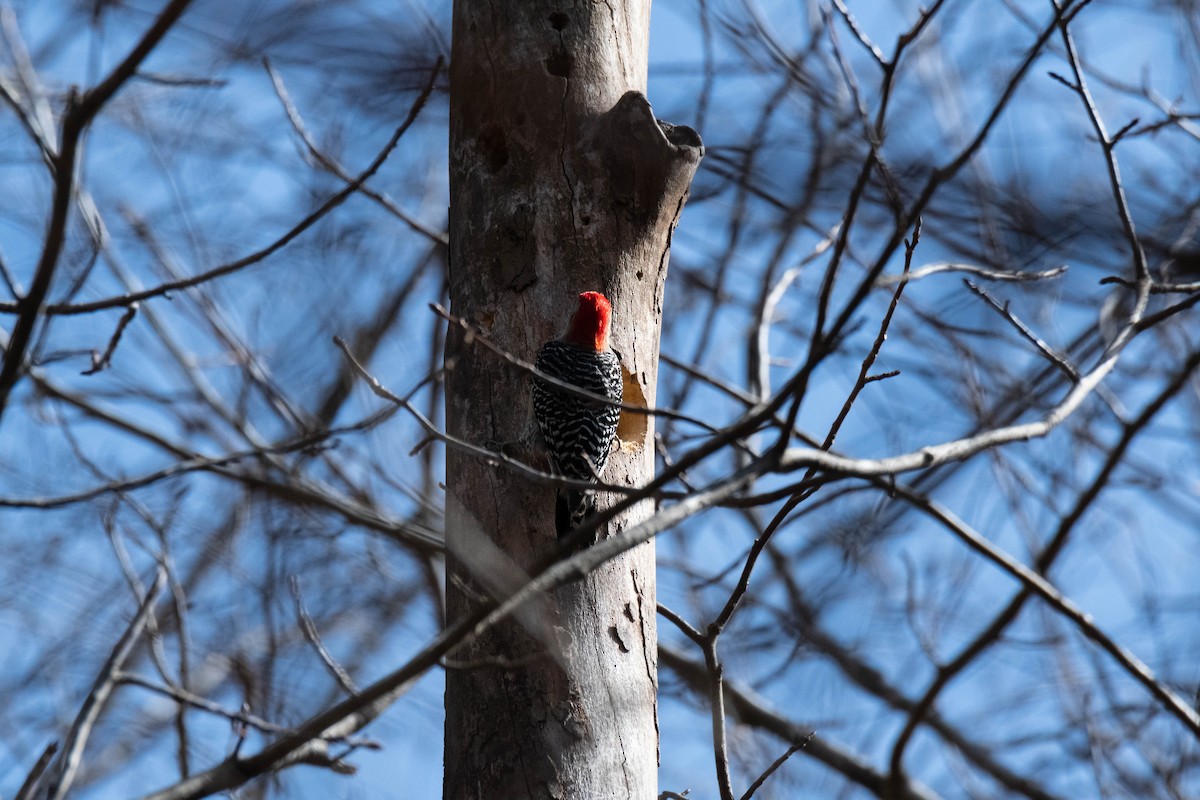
[572,509]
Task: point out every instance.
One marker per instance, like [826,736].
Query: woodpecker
[579,432]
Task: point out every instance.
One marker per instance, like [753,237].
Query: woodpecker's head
[589,326]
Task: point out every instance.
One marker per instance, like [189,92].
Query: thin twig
[97,698]
[473,334]
[186,698]
[716,698]
[910,247]
[761,541]
[253,258]
[776,765]
[1141,268]
[760,354]
[859,33]
[736,392]
[80,112]
[971,269]
[956,449]
[710,640]
[334,168]
[684,626]
[39,120]
[198,463]
[314,638]
[462,445]
[1156,288]
[750,709]
[102,361]
[992,633]
[1036,584]
[1044,349]
[855,667]
[1150,320]
[10,280]
[34,777]
[414,534]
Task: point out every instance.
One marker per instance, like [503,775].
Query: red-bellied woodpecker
[579,432]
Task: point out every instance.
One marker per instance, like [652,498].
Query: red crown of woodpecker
[589,326]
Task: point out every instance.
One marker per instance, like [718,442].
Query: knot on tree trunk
[650,163]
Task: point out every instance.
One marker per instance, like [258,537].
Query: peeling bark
[561,181]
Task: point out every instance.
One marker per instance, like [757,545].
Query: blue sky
[215,171]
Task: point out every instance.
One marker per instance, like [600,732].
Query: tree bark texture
[561,181]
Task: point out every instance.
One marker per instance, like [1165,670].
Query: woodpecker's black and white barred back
[579,432]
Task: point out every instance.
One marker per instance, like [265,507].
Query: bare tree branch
[79,114]
[63,775]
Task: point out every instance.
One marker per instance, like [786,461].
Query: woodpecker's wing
[578,431]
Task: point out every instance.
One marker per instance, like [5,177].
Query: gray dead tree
[561,181]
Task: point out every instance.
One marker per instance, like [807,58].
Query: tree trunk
[561,181]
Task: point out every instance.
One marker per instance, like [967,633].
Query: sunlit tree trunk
[561,181]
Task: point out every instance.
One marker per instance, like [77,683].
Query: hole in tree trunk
[559,63]
[632,428]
